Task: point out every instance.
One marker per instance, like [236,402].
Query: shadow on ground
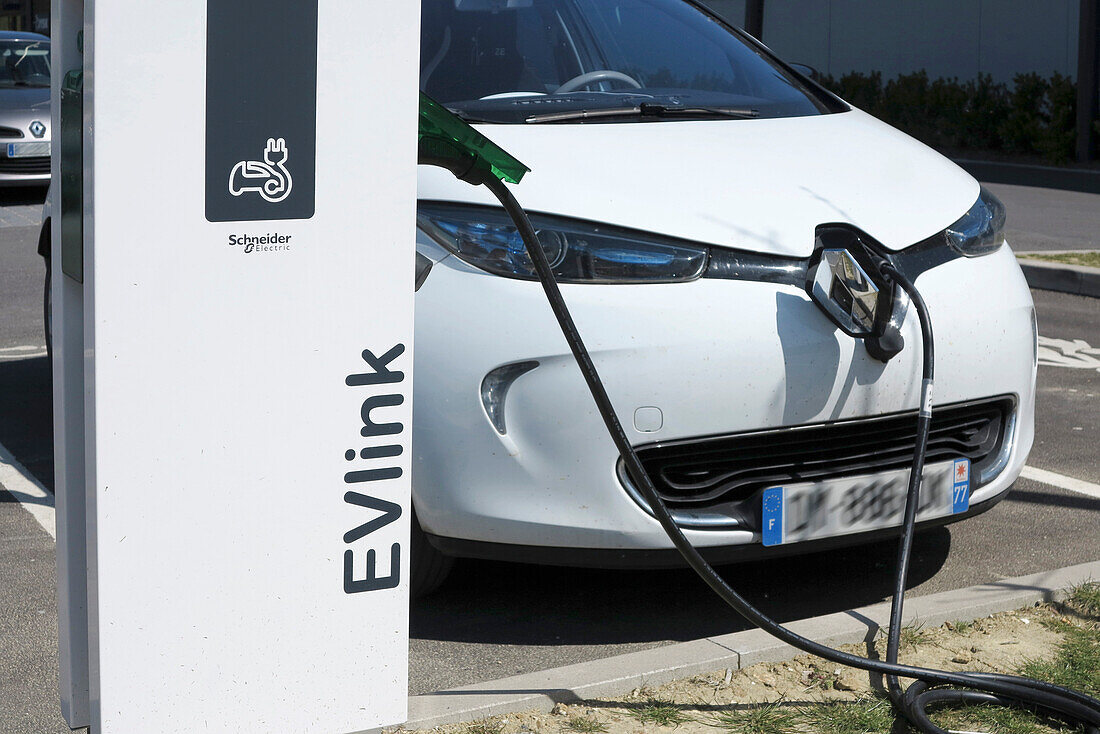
[26,416]
[502,603]
[23,196]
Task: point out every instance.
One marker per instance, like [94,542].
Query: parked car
[688,185]
[25,134]
[685,183]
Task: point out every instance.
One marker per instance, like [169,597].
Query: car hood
[21,106]
[25,98]
[762,185]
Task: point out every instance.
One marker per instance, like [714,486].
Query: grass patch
[911,636]
[486,726]
[1077,664]
[585,725]
[961,627]
[1086,598]
[866,716]
[769,718]
[992,719]
[1087,258]
[662,713]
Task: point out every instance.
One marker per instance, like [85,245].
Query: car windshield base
[611,60]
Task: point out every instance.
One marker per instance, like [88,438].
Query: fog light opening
[494,391]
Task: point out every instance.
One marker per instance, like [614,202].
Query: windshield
[25,64]
[511,60]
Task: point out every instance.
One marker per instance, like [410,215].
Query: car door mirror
[807,71]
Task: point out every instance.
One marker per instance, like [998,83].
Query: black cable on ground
[927,690]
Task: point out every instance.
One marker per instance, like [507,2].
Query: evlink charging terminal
[848,294]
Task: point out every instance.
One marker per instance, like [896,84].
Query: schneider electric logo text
[265,243]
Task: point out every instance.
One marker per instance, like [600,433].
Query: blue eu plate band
[772,517]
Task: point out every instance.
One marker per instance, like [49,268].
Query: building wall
[947,38]
[40,16]
[25,15]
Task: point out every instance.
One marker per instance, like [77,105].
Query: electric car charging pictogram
[269,178]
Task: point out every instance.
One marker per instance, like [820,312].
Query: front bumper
[715,357]
[23,171]
[648,558]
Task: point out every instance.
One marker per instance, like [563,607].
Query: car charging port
[847,282]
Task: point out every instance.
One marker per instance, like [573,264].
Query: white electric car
[714,217]
[708,209]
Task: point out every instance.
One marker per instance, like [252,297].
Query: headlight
[981,230]
[579,252]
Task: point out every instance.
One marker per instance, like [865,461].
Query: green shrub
[1060,141]
[985,107]
[1023,127]
[862,90]
[1035,116]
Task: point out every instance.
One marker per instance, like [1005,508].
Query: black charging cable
[928,687]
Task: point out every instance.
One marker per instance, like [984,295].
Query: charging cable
[930,687]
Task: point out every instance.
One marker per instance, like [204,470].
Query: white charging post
[232,323]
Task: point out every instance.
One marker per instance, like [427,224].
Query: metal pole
[1088,80]
[754,18]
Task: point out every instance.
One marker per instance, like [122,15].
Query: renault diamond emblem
[846,292]
[852,289]
[38,129]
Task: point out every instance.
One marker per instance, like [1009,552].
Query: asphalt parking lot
[1048,219]
[493,619]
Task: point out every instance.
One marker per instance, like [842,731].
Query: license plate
[29,150]
[812,510]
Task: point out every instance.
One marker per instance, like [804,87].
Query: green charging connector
[450,142]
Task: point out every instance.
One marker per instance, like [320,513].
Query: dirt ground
[722,700]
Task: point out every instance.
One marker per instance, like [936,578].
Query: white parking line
[25,355]
[9,354]
[1059,480]
[1077,354]
[27,490]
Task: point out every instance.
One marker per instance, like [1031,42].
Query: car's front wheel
[430,568]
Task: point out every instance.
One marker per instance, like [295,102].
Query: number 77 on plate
[960,493]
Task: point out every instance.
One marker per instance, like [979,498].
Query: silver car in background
[24,109]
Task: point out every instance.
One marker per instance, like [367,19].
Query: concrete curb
[1076,279]
[620,674]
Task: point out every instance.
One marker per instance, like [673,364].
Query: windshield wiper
[474,119]
[647,109]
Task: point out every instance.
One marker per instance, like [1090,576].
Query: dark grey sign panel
[261,109]
[71,205]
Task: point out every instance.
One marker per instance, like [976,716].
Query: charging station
[232,319]
[232,331]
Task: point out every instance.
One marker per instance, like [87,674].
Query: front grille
[27,166]
[10,132]
[703,473]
